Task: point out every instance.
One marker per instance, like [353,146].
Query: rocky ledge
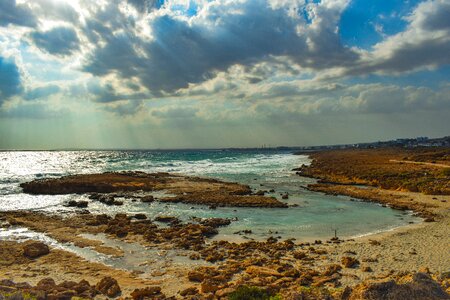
[186,189]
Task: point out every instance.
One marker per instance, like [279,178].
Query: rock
[46,284]
[147,199]
[140,216]
[421,287]
[35,249]
[349,262]
[189,291]
[366,269]
[196,276]
[224,292]
[262,271]
[332,269]
[285,196]
[79,204]
[108,286]
[166,219]
[215,222]
[148,292]
[272,240]
[374,242]
[299,254]
[208,286]
[82,204]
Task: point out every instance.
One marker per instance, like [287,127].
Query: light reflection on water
[316,216]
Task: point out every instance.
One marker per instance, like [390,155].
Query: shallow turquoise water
[317,215]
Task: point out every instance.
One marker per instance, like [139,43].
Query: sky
[221,73]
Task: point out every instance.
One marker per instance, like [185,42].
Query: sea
[311,216]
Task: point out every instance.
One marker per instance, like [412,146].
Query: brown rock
[349,262]
[208,286]
[196,276]
[35,249]
[299,254]
[189,291]
[331,269]
[46,284]
[139,294]
[224,292]
[147,199]
[262,271]
[108,286]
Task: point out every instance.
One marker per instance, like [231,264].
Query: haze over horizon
[221,73]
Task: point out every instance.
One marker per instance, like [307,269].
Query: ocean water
[316,216]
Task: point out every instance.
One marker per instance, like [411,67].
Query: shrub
[446,171]
[252,293]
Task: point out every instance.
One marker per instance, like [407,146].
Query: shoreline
[216,268]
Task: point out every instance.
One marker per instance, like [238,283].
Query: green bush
[446,171]
[252,293]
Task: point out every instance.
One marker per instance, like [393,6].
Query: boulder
[147,199]
[196,276]
[108,286]
[35,249]
[148,292]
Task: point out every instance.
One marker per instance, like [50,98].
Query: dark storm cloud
[57,41]
[437,17]
[57,10]
[10,82]
[181,53]
[144,6]
[106,93]
[12,13]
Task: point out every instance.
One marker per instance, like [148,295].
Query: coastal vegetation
[414,170]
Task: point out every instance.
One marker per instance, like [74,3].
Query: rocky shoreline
[411,263]
[185,189]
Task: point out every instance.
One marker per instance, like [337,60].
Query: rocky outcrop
[106,187]
[47,288]
[421,287]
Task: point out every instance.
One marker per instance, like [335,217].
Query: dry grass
[384,168]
